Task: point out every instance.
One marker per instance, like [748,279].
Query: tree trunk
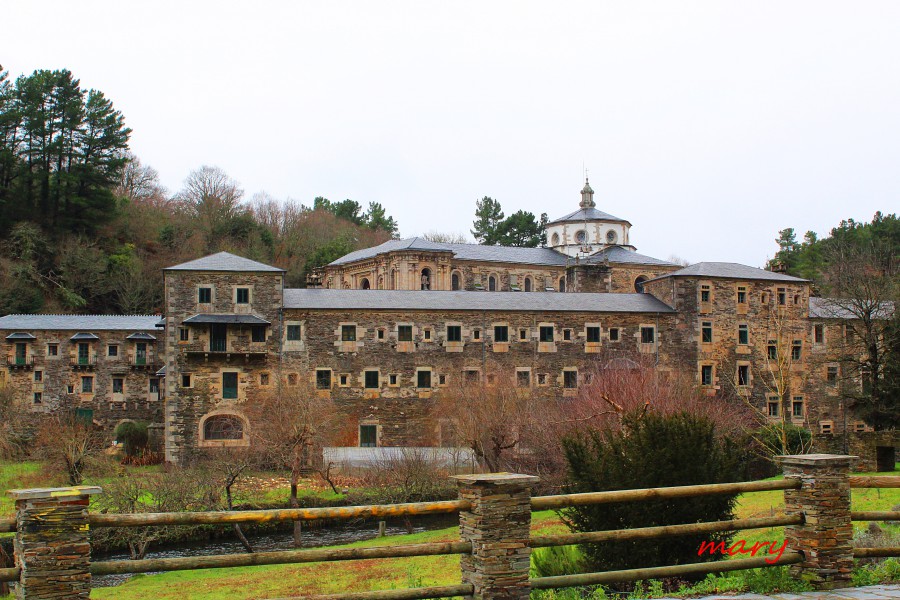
[237,526]
[298,525]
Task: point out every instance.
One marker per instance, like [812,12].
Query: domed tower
[587,230]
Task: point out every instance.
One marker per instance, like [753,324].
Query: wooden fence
[52,544]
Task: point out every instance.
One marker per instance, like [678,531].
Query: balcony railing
[83,362]
[20,362]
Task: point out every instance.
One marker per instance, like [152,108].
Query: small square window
[743,375]
[706,375]
[593,335]
[258,333]
[471,376]
[476,334]
[706,332]
[242,296]
[648,335]
[423,379]
[454,333]
[773,408]
[263,379]
[743,334]
[570,379]
[372,380]
[38,376]
[204,295]
[426,334]
[185,380]
[542,379]
[380,334]
[523,334]
[826,427]
[293,379]
[118,385]
[112,351]
[184,334]
[831,375]
[546,333]
[348,333]
[70,389]
[52,349]
[501,334]
[293,333]
[87,385]
[404,333]
[368,436]
[442,379]
[523,378]
[38,397]
[393,379]
[323,379]
[614,334]
[344,379]
[567,335]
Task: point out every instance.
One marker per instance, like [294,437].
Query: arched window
[454,281]
[611,237]
[365,284]
[554,241]
[426,279]
[639,284]
[492,283]
[223,427]
[562,284]
[528,285]
[580,236]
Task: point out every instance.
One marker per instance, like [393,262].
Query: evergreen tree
[488,216]
[520,229]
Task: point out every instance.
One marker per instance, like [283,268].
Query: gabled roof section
[618,254]
[325,299]
[474,252]
[729,271]
[588,214]
[224,261]
[79,322]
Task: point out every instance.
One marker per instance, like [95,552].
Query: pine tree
[488,216]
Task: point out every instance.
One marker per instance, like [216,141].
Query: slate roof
[588,214]
[729,271]
[618,254]
[476,252]
[224,261]
[79,322]
[830,308]
[325,299]
[227,319]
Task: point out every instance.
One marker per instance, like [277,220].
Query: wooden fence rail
[495,546]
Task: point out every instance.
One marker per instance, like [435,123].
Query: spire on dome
[587,195]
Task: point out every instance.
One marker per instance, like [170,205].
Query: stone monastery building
[388,328]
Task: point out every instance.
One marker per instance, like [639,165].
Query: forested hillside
[86,227]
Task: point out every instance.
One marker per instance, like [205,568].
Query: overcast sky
[708,125]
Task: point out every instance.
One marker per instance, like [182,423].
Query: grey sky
[709,125]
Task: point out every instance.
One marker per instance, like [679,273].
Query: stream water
[327,535]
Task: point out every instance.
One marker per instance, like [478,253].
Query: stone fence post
[825,535]
[52,544]
[499,526]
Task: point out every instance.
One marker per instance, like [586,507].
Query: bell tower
[587,195]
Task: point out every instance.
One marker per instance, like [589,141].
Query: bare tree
[446,237]
[140,183]
[12,423]
[291,425]
[213,199]
[69,441]
[225,467]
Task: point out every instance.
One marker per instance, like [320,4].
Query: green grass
[15,475]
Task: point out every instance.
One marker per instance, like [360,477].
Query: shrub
[134,437]
[650,450]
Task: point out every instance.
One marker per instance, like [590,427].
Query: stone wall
[863,445]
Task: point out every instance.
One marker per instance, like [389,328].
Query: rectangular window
[826,427]
[323,379]
[743,334]
[742,294]
[831,375]
[797,407]
[242,295]
[263,379]
[185,380]
[706,332]
[523,378]
[523,334]
[293,333]
[614,334]
[501,333]
[567,335]
[796,349]
[380,334]
[423,379]
[743,375]
[772,350]
[648,335]
[404,333]
[52,349]
[546,334]
[442,379]
[154,386]
[426,334]
[705,293]
[819,333]
[344,379]
[112,351]
[393,379]
[38,376]
[293,379]
[454,333]
[593,335]
[782,296]
[230,386]
[258,333]
[542,379]
[371,380]
[368,436]
[706,375]
[87,385]
[38,397]
[348,333]
[84,354]
[204,295]
[471,376]
[476,334]
[118,385]
[183,334]
[570,379]
[772,406]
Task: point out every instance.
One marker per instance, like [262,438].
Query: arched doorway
[365,284]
